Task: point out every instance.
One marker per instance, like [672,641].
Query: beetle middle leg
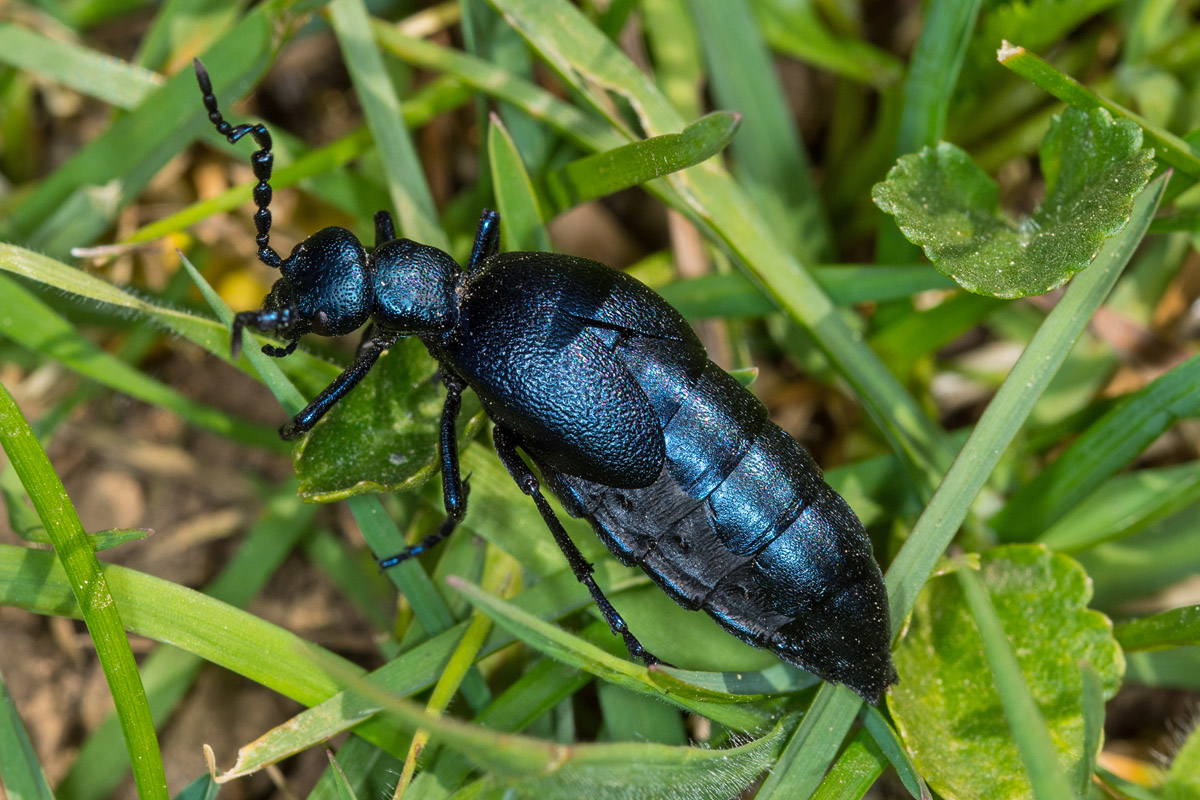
[506,447]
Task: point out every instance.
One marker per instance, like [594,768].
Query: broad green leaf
[636,163]
[1094,167]
[1183,779]
[946,707]
[1026,724]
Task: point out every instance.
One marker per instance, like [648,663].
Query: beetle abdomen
[742,524]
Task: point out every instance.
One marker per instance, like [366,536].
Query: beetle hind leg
[506,448]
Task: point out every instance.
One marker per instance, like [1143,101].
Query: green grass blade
[814,746]
[543,769]
[1179,627]
[97,75]
[1168,148]
[1025,721]
[1010,407]
[567,648]
[770,160]
[1105,447]
[90,588]
[636,163]
[28,320]
[20,771]
[522,226]
[797,30]
[168,673]
[416,216]
[405,675]
[855,771]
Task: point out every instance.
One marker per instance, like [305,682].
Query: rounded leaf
[946,707]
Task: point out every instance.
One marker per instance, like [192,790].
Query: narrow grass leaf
[92,593]
[203,788]
[1092,703]
[1094,167]
[1124,505]
[546,769]
[461,663]
[582,129]
[814,746]
[1178,627]
[417,216]
[778,679]
[20,770]
[732,294]
[209,334]
[1025,720]
[855,771]
[405,675]
[1168,148]
[802,764]
[769,157]
[521,224]
[890,745]
[344,790]
[101,540]
[636,163]
[89,72]
[569,649]
[167,612]
[1105,447]
[797,30]
[29,321]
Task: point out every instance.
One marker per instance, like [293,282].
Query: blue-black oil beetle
[610,393]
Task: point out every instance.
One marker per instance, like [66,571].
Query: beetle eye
[321,323]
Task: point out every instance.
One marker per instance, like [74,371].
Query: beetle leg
[454,493]
[385,229]
[312,413]
[487,239]
[506,442]
[445,529]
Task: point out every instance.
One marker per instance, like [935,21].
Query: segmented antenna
[261,161]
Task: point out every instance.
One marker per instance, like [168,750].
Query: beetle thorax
[414,287]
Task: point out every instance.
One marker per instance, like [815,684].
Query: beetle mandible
[612,396]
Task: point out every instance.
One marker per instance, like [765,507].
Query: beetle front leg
[506,447]
[453,492]
[312,413]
